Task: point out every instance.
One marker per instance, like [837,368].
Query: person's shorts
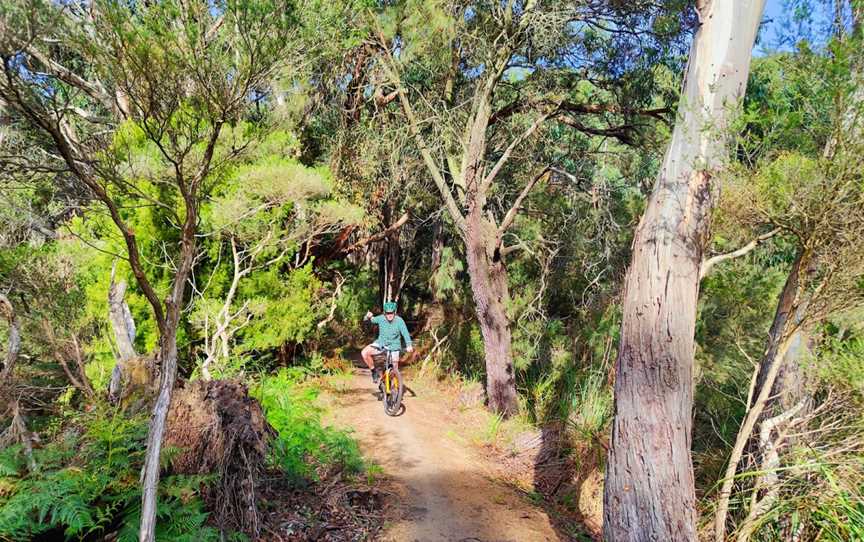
[382,350]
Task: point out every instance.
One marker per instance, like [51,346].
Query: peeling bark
[649,488]
[123,326]
[13,344]
[747,426]
[768,480]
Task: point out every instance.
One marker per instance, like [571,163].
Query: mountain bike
[390,386]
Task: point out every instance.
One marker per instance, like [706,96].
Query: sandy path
[446,493]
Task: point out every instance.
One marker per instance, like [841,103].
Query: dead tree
[123,326]
[13,343]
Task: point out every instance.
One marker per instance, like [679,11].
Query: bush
[304,448]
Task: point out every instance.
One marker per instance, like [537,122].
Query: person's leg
[367,354]
[394,356]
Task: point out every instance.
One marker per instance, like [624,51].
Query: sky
[787,21]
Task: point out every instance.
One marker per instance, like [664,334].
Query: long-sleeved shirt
[390,333]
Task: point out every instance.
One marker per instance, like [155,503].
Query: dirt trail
[443,483]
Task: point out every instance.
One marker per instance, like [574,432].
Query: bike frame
[388,365]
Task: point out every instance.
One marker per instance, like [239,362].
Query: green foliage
[304,447]
[840,517]
[87,483]
[444,283]
[840,363]
[180,518]
[282,307]
[591,410]
[273,216]
[358,296]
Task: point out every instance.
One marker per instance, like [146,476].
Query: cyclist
[391,331]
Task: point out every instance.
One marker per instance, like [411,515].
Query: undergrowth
[86,482]
[304,449]
[86,486]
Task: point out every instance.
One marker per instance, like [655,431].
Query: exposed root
[217,428]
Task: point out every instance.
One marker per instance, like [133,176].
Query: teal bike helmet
[390,306]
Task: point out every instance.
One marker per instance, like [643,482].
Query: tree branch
[487,181]
[66,147]
[708,265]
[94,90]
[413,125]
[518,106]
[514,210]
[336,293]
[623,133]
[376,237]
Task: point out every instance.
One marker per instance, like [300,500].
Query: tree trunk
[437,248]
[13,344]
[485,268]
[786,384]
[766,486]
[168,361]
[19,427]
[389,259]
[649,488]
[787,388]
[489,288]
[767,375]
[124,331]
[747,426]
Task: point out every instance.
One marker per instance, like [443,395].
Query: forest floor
[442,484]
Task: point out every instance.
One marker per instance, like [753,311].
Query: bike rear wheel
[393,392]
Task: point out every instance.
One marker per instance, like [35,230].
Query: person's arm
[369,320]
[403,329]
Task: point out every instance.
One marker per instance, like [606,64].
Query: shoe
[376,377]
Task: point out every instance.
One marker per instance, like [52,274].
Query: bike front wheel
[393,389]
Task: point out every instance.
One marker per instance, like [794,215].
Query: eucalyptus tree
[478,83]
[649,491]
[144,105]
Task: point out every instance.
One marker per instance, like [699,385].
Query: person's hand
[368,315]
[409,349]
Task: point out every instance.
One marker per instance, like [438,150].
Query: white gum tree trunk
[649,488]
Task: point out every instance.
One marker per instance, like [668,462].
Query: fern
[177,521]
[11,461]
[89,483]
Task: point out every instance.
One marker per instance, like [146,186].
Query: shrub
[304,447]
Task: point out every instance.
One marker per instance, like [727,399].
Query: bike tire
[393,400]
